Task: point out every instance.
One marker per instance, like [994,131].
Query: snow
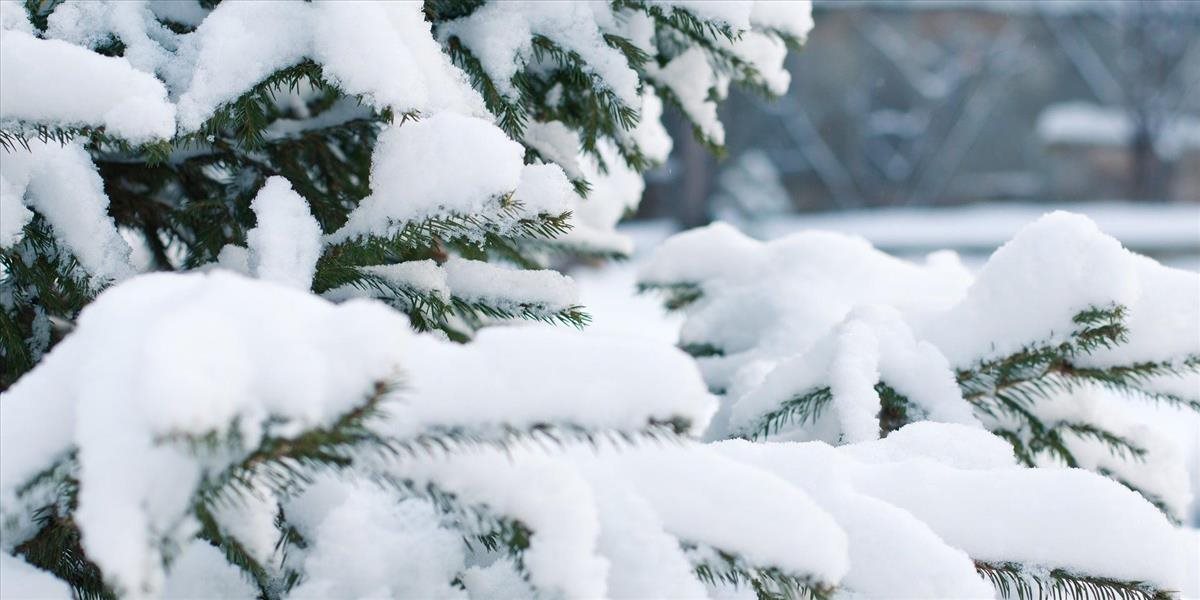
[394,60]
[422,276]
[793,17]
[1032,287]
[93,24]
[212,67]
[527,375]
[818,310]
[183,355]
[410,555]
[445,165]
[201,571]
[1052,518]
[473,281]
[60,182]
[664,492]
[1162,471]
[13,214]
[286,243]
[55,83]
[500,36]
[1145,227]
[649,134]
[543,190]
[19,579]
[769,300]
[14,17]
[479,281]
[614,193]
[555,142]
[690,78]
[497,580]
[766,54]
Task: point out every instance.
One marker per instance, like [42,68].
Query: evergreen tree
[204,434]
[314,181]
[818,336]
[496,133]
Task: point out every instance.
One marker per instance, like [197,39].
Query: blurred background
[924,124]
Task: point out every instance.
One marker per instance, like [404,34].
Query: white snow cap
[546,374]
[969,500]
[444,165]
[167,355]
[55,83]
[60,182]
[382,51]
[286,242]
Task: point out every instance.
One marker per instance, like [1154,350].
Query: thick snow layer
[488,283]
[19,579]
[202,571]
[14,17]
[13,214]
[500,36]
[1049,518]
[393,60]
[410,555]
[766,54]
[183,355]
[1162,471]
[793,17]
[690,78]
[663,492]
[774,299]
[286,242]
[214,69]
[556,143]
[650,135]
[1062,264]
[543,190]
[817,310]
[1031,288]
[382,51]
[531,375]
[60,182]
[444,165]
[94,23]
[55,83]
[614,193]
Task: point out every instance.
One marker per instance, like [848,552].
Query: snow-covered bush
[818,336]
[414,140]
[327,177]
[261,426]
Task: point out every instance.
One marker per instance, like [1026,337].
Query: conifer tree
[818,336]
[194,432]
[220,225]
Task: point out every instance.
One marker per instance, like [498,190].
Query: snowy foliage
[264,426]
[818,336]
[404,132]
[339,194]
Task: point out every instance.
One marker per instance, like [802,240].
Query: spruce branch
[1012,580]
[800,409]
[675,295]
[717,567]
